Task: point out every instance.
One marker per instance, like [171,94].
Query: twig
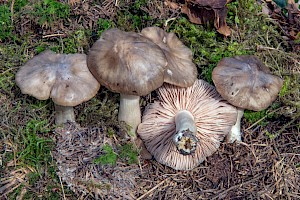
[286,125]
[261,119]
[23,192]
[243,143]
[54,35]
[62,187]
[12,10]
[152,189]
[8,70]
[264,48]
[10,190]
[168,20]
[235,186]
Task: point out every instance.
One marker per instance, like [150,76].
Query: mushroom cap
[64,78]
[181,71]
[245,82]
[126,62]
[213,117]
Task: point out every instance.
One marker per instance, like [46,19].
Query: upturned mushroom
[245,82]
[186,125]
[64,78]
[179,57]
[132,65]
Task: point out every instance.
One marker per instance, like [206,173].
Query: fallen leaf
[206,12]
[172,5]
[224,30]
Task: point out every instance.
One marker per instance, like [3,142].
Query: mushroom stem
[185,138]
[63,114]
[130,112]
[235,132]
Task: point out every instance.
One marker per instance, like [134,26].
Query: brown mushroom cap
[126,62]
[181,71]
[245,82]
[64,78]
[213,117]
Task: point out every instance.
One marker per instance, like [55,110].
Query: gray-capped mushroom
[181,71]
[129,64]
[245,82]
[186,125]
[64,78]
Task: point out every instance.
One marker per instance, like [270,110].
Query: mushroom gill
[213,118]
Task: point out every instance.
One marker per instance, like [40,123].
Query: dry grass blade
[151,190]
[13,180]
[221,194]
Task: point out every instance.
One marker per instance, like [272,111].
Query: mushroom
[64,78]
[179,57]
[186,125]
[129,64]
[245,82]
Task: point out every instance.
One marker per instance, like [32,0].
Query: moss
[134,17]
[36,150]
[290,91]
[207,46]
[126,152]
[110,132]
[128,21]
[33,177]
[76,42]
[108,158]
[263,116]
[101,110]
[285,86]
[252,117]
[270,135]
[104,24]
[6,26]
[129,153]
[49,11]
[19,4]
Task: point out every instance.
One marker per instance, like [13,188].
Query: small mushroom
[186,125]
[64,78]
[129,64]
[245,82]
[179,57]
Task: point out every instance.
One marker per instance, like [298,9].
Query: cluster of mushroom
[190,119]
[134,64]
[187,125]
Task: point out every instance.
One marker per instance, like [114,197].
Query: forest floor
[265,166]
